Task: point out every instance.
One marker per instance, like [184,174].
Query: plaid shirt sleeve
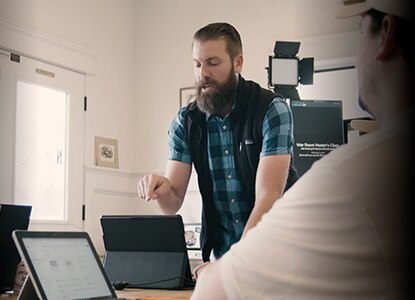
[277,129]
[178,147]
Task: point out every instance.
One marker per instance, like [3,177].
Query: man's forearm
[256,215]
[171,204]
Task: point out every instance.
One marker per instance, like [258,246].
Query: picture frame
[187,95]
[192,235]
[106,150]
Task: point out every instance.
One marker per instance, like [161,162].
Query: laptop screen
[318,129]
[64,265]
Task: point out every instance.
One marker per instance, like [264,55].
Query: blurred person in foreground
[343,230]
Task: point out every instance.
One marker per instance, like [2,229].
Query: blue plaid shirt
[277,130]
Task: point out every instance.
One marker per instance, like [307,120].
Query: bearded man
[239,138]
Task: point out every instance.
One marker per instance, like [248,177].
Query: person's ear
[238,62]
[388,45]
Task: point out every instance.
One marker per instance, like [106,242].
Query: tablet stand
[28,291]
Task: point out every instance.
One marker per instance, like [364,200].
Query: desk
[147,294]
[139,294]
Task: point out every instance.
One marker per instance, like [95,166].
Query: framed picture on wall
[192,235]
[187,95]
[106,151]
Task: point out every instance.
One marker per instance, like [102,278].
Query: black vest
[252,102]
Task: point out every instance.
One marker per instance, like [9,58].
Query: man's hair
[405,29]
[224,31]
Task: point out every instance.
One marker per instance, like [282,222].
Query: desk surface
[147,294]
[139,294]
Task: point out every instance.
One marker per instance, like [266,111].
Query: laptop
[11,217]
[146,251]
[61,265]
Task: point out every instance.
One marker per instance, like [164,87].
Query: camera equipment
[286,70]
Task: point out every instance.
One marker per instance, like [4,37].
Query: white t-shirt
[338,233]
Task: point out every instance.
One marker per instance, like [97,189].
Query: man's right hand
[168,190]
[153,187]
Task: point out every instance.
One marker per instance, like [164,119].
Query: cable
[120,285]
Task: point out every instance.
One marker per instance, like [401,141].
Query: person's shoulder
[278,99]
[178,121]
[362,150]
[180,116]
[278,104]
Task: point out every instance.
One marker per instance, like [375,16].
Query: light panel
[284,71]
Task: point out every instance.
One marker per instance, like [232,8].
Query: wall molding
[113,172]
[112,192]
[28,42]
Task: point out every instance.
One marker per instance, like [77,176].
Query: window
[41,135]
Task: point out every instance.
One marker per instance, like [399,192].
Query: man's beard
[218,97]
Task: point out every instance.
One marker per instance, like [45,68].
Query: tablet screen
[65,268]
